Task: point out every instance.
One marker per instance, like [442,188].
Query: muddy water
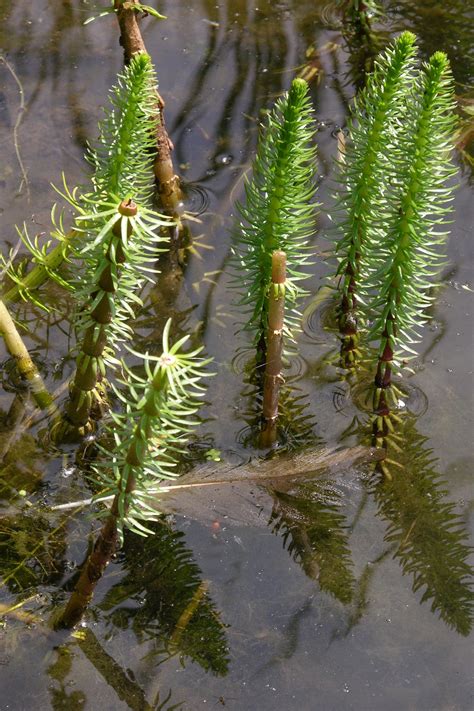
[317,609]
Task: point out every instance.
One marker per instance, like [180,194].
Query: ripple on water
[410,398]
[196,199]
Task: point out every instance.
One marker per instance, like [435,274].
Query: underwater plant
[366,171]
[278,213]
[360,12]
[315,533]
[178,616]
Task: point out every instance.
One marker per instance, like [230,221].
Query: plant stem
[167,181]
[90,360]
[273,367]
[366,171]
[104,548]
[41,272]
[108,538]
[24,363]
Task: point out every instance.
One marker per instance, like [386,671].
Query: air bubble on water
[225,159]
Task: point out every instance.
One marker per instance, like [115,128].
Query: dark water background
[270,630]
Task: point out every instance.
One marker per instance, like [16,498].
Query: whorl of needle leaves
[150,433]
[123,170]
[398,269]
[278,213]
[376,122]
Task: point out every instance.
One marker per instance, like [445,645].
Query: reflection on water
[323,596]
[163,599]
[430,537]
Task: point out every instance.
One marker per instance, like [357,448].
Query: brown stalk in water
[273,366]
[132,42]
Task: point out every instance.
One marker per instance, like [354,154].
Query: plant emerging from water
[151,432]
[118,234]
[395,198]
[146,440]
[399,268]
[278,213]
[365,174]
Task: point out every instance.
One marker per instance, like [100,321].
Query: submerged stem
[24,363]
[273,367]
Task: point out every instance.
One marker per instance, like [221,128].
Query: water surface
[316,609]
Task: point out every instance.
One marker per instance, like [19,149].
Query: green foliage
[123,157]
[401,261]
[430,536]
[31,551]
[118,232]
[376,122]
[123,170]
[150,433]
[278,213]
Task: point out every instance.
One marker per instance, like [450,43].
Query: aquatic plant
[23,361]
[360,12]
[119,232]
[276,321]
[146,439]
[278,213]
[148,435]
[315,533]
[366,172]
[397,270]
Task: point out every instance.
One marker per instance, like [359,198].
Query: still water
[315,605]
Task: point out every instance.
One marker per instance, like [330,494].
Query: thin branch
[19,118]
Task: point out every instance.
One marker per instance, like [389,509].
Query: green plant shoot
[279,213]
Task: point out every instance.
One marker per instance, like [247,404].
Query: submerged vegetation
[133,401]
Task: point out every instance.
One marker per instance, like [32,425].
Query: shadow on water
[272,593]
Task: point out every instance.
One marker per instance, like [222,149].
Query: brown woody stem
[273,366]
[131,39]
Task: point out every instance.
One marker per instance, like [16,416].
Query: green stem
[24,363]
[90,363]
[41,272]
